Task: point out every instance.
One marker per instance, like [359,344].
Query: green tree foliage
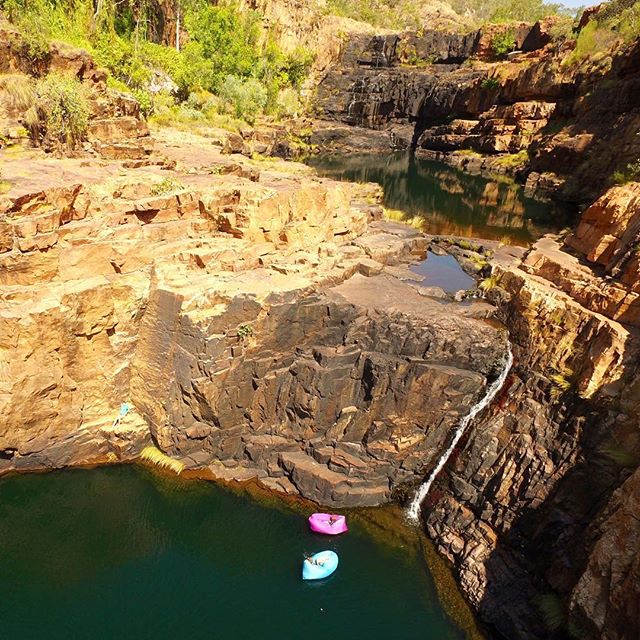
[247,97]
[507,10]
[223,42]
[226,38]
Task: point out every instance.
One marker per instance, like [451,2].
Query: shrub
[489,283]
[503,43]
[561,382]
[60,113]
[297,66]
[592,39]
[123,61]
[630,23]
[165,186]
[288,103]
[513,160]
[562,30]
[629,174]
[245,331]
[247,98]
[490,83]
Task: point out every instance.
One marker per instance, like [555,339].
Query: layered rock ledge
[538,510]
[261,321]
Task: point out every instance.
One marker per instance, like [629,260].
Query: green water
[122,553]
[449,201]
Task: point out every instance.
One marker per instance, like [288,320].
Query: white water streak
[492,391]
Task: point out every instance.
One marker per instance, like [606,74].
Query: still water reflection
[448,201]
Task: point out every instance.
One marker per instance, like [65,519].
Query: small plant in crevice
[467,246]
[245,331]
[168,185]
[490,83]
[619,456]
[489,283]
[561,382]
[556,617]
[479,260]
[629,174]
[557,317]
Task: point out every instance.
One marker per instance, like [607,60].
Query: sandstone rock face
[338,385]
[608,592]
[511,510]
[243,311]
[578,122]
[608,234]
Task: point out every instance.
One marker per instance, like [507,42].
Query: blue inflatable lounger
[319,565]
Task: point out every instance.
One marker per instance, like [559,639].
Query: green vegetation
[563,28]
[168,185]
[245,331]
[489,283]
[478,260]
[630,173]
[248,97]
[490,83]
[56,109]
[561,382]
[468,152]
[162,460]
[618,20]
[396,215]
[380,13]
[619,456]
[507,10]
[592,39]
[467,246]
[226,52]
[406,13]
[503,44]
[513,160]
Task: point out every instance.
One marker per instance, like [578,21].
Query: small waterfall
[414,508]
[358,86]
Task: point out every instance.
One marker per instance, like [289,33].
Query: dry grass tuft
[155,456]
[19,91]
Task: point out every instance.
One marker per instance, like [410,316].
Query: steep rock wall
[577,121]
[259,322]
[539,502]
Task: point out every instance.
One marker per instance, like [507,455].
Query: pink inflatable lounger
[328,523]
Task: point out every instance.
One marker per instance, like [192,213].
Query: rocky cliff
[572,123]
[263,322]
[538,510]
[258,322]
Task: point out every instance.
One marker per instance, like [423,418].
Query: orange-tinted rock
[608,230]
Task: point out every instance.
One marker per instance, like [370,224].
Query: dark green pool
[449,201]
[122,553]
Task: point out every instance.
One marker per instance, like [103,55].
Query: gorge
[267,322]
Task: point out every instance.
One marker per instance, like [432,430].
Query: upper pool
[122,553]
[448,200]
